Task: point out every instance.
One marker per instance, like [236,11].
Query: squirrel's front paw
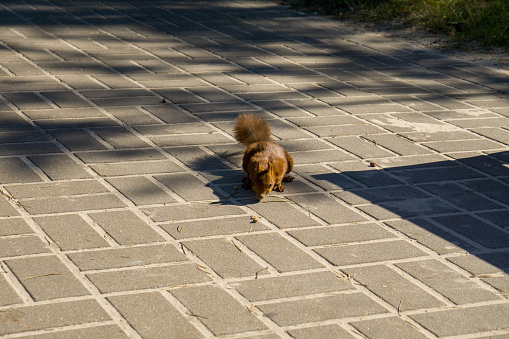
[279,188]
[288,178]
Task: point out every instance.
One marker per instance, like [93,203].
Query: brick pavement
[119,216]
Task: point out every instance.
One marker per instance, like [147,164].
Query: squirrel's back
[250,128]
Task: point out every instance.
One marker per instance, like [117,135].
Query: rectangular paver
[152,315]
[219,311]
[320,309]
[46,278]
[275,249]
[46,316]
[465,320]
[147,278]
[449,283]
[369,252]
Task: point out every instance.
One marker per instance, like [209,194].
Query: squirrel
[265,162]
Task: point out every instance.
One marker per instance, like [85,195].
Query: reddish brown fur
[265,162]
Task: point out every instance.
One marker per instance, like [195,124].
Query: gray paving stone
[105,331]
[46,278]
[369,252]
[481,122]
[135,168]
[147,278]
[12,247]
[387,327]
[481,264]
[365,174]
[377,195]
[491,188]
[447,282]
[196,158]
[395,289]
[224,257]
[191,139]
[431,236]
[76,123]
[409,208]
[327,208]
[132,115]
[459,196]
[174,129]
[78,140]
[66,99]
[45,316]
[22,68]
[475,230]
[78,82]
[29,148]
[481,162]
[197,211]
[153,316]
[27,101]
[217,310]
[305,145]
[188,187]
[212,227]
[423,175]
[14,226]
[12,121]
[126,228]
[126,257]
[9,295]
[80,236]
[120,137]
[325,178]
[360,147]
[324,331]
[218,107]
[465,320]
[56,189]
[114,81]
[13,169]
[71,204]
[462,146]
[59,167]
[291,286]
[283,215]
[500,283]
[15,137]
[119,155]
[397,144]
[340,306]
[141,191]
[345,130]
[340,234]
[498,217]
[275,249]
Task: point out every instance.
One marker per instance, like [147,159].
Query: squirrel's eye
[252,183]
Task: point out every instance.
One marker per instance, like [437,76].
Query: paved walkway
[121,216]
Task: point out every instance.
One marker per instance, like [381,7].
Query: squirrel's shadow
[225,175]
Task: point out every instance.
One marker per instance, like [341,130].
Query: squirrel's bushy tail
[250,128]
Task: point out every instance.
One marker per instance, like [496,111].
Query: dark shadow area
[464,202]
[446,198]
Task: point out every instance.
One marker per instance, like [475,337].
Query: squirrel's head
[263,181]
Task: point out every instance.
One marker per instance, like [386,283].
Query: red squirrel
[265,162]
